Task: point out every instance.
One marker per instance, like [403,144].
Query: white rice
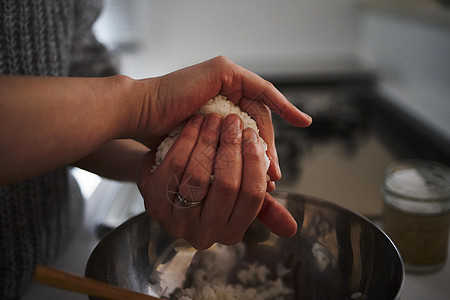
[213,268]
[219,105]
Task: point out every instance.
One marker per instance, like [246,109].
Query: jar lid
[418,179]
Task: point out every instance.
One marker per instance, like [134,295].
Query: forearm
[118,160]
[48,122]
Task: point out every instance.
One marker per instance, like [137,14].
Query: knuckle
[270,84]
[253,149]
[253,152]
[228,186]
[209,141]
[264,112]
[221,60]
[177,164]
[231,141]
[188,136]
[231,137]
[194,178]
[255,192]
[256,196]
[207,137]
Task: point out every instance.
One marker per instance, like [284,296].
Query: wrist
[137,96]
[124,100]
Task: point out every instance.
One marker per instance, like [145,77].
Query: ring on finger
[186,203]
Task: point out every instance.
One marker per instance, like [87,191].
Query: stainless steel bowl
[336,254]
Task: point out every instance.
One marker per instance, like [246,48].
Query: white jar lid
[419,180]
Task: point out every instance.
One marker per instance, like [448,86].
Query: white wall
[263,35]
[290,36]
[412,58]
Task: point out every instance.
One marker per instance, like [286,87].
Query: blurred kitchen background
[374,75]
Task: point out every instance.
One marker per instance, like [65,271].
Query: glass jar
[416,212]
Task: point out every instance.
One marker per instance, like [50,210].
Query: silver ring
[187,203]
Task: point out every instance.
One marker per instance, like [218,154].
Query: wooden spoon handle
[83,285]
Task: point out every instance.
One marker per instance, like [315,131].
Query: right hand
[233,199]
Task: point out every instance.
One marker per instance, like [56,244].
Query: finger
[224,189]
[261,114]
[277,218]
[276,101]
[237,82]
[168,175]
[196,179]
[197,176]
[144,182]
[253,187]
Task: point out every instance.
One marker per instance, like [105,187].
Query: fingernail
[307,116]
[271,186]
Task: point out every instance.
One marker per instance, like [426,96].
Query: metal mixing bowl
[336,254]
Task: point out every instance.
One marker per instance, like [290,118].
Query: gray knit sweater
[39,215]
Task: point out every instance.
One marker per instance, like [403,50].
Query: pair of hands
[212,145]
[113,110]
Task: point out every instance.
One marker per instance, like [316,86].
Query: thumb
[277,218]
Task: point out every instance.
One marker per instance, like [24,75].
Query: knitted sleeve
[40,215]
[89,57]
[38,218]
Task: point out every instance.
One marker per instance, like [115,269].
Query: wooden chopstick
[83,285]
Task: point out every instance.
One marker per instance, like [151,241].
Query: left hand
[176,96]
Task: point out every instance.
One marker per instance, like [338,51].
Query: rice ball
[219,105]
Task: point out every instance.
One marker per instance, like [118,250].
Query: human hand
[230,202]
[175,97]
